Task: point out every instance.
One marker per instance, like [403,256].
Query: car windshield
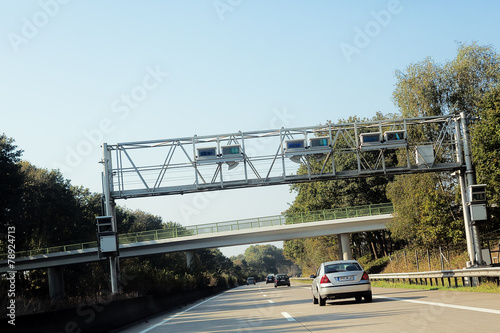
[342,267]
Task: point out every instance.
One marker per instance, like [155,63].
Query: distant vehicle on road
[270,279]
[251,280]
[281,280]
[340,279]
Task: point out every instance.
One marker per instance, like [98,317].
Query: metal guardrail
[423,277]
[211,228]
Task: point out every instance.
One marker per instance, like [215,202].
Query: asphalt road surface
[263,308]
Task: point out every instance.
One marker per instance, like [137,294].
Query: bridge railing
[211,228]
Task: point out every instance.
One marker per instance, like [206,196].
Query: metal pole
[478,259]
[109,207]
[463,190]
[468,229]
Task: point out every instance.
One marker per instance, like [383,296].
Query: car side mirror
[312,276]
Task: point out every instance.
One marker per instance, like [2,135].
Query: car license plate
[345,278]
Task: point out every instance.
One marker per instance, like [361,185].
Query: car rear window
[334,268]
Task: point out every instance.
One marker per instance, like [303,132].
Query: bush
[374,266]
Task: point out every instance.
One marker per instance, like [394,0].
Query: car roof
[341,262]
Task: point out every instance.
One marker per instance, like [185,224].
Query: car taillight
[324,279]
[365,276]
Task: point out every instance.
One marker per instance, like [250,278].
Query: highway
[263,308]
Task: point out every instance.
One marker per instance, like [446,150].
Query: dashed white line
[287,316]
[270,301]
[461,307]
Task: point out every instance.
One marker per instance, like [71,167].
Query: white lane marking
[461,307]
[287,316]
[178,314]
[270,301]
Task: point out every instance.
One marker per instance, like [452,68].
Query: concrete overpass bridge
[341,222]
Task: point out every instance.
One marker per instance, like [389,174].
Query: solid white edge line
[461,307]
[287,316]
[178,314]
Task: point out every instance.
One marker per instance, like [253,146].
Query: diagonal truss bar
[135,168]
[164,167]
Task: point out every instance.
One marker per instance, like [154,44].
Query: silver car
[340,279]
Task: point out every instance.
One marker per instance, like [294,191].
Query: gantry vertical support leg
[110,210]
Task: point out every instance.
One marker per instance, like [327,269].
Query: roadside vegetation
[484,287]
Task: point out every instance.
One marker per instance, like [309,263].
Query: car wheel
[368,297]
[315,300]
[275,286]
[322,301]
[358,299]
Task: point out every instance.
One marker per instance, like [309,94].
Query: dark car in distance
[270,279]
[281,280]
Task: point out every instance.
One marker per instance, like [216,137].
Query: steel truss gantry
[272,157]
[174,166]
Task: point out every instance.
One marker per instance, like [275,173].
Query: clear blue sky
[208,67]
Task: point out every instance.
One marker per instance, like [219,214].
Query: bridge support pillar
[56,283]
[345,247]
[190,259]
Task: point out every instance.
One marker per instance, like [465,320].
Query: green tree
[430,89]
[459,85]
[266,259]
[135,221]
[425,216]
[485,150]
[11,180]
[49,214]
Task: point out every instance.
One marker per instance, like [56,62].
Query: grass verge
[485,287]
